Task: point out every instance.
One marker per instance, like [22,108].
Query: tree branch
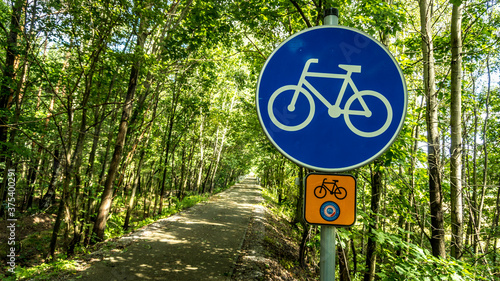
[3,28]
[306,20]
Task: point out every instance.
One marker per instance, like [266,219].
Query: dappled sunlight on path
[200,243]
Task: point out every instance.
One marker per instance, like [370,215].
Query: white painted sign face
[331,98]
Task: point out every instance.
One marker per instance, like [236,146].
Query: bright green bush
[416,263]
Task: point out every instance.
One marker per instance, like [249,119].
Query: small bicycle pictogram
[334,110]
[339,192]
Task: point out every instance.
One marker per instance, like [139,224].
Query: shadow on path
[200,243]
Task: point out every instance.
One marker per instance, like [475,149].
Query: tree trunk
[474,209]
[183,174]
[433,145]
[371,254]
[299,217]
[8,90]
[134,189]
[187,181]
[72,163]
[165,163]
[171,120]
[8,84]
[485,160]
[456,133]
[77,157]
[495,230]
[342,254]
[50,194]
[221,146]
[64,196]
[107,195]
[202,151]
[411,172]
[89,186]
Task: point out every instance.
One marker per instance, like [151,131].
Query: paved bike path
[201,243]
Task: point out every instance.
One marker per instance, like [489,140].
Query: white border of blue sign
[347,167]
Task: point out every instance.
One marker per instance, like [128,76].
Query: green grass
[45,271]
[60,265]
[285,209]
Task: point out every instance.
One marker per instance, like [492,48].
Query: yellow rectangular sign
[330,199]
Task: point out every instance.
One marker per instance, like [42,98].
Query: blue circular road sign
[331,98]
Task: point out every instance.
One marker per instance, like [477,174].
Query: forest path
[200,243]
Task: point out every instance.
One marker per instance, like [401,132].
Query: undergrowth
[282,240]
[284,209]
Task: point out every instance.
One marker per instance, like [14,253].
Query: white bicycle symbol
[333,110]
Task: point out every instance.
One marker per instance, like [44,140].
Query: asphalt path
[201,243]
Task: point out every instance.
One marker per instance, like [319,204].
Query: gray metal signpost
[328,232]
[327,253]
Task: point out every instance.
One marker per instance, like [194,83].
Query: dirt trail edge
[200,243]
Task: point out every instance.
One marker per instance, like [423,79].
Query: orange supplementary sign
[330,199]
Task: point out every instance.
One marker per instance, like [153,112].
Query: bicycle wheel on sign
[286,113]
[340,193]
[320,191]
[372,124]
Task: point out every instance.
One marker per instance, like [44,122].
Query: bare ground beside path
[202,243]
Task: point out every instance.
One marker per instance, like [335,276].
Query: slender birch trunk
[433,146]
[456,133]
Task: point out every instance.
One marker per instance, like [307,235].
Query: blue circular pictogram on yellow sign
[329,211]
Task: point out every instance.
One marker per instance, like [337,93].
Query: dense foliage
[113,111]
